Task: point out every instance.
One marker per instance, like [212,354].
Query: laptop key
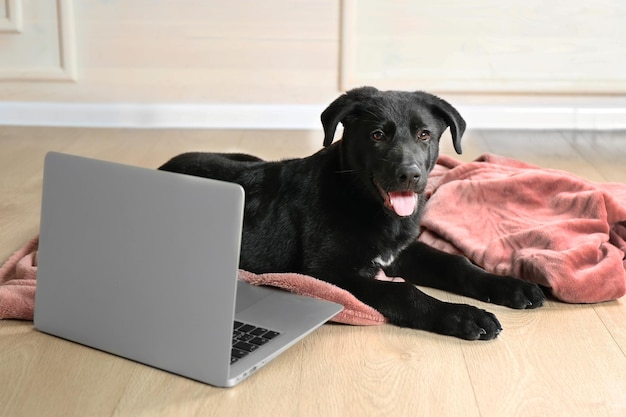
[246,328]
[260,341]
[237,325]
[270,334]
[246,346]
[237,353]
[258,331]
[245,337]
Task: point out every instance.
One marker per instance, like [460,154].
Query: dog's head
[391,140]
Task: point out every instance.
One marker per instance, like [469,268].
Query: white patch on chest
[384,262]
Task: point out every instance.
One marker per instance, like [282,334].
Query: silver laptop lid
[114,275]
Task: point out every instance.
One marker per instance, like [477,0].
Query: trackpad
[248,295]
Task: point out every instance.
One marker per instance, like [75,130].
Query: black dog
[353,208]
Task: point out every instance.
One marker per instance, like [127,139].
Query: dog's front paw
[515,293]
[468,322]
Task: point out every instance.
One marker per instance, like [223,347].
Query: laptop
[143,264]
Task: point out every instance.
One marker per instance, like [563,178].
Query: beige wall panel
[517,46]
[10,16]
[41,47]
[199,51]
[288,51]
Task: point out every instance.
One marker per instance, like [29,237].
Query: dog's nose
[409,174]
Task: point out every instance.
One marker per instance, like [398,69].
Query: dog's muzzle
[403,203]
[403,197]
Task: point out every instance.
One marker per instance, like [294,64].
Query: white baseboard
[161,115]
[298,116]
[540,117]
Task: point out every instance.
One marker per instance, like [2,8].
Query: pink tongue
[403,203]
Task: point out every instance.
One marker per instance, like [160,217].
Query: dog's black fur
[330,215]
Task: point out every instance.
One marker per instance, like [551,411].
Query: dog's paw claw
[517,294]
[469,323]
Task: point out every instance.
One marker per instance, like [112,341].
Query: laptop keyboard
[248,338]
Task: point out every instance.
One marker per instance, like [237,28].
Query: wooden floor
[560,360]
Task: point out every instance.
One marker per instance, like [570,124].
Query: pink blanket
[542,225]
[17,283]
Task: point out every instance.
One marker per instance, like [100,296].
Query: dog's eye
[423,135]
[378,135]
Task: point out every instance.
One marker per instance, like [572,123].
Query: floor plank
[604,150]
[544,149]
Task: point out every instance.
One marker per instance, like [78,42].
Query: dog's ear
[337,111]
[453,119]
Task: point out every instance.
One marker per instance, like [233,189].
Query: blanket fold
[542,225]
[17,283]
